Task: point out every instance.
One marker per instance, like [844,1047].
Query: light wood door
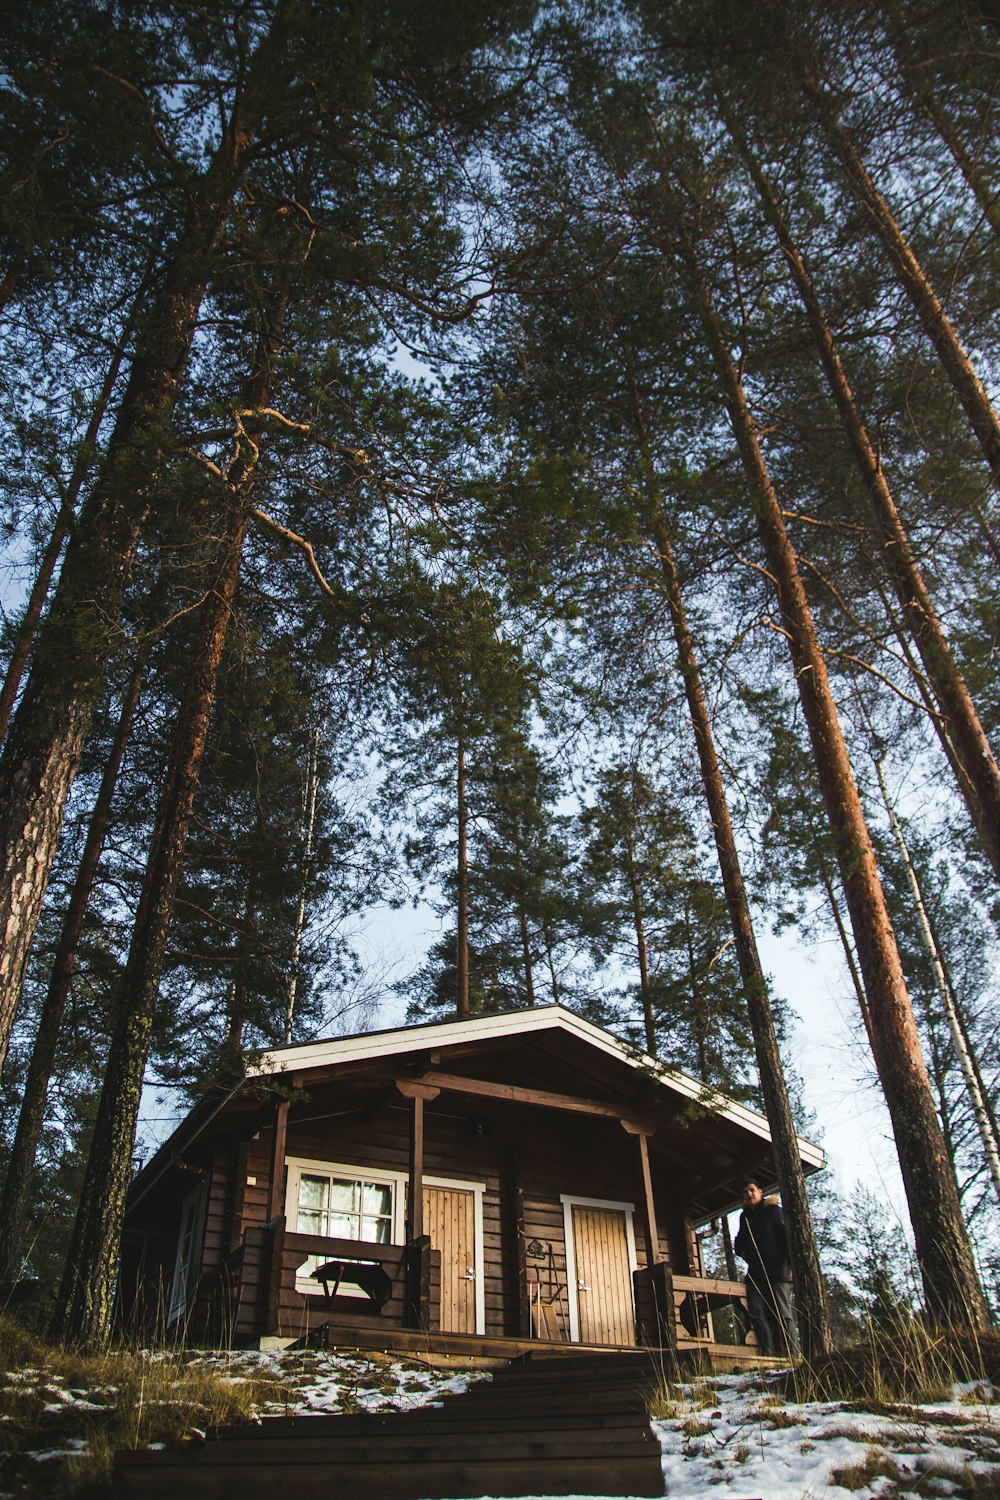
[603,1276]
[450,1220]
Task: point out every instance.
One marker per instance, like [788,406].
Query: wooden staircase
[574,1425]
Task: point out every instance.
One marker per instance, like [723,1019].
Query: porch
[263,1288]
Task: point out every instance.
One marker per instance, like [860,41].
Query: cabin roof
[700,1132]
[304,1057]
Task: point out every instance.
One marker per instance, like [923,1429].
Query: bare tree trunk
[810,1295]
[991,1150]
[980,782]
[64,520]
[958,367]
[462,872]
[308,825]
[20,1168]
[75,641]
[83,1312]
[641,946]
[951,1284]
[925,98]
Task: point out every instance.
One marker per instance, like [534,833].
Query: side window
[188,1256]
[342,1203]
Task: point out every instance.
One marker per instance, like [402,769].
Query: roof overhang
[371,1046]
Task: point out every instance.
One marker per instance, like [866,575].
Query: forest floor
[751,1434]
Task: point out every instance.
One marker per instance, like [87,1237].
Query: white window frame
[299,1165]
[477,1189]
[569,1201]
[186,1266]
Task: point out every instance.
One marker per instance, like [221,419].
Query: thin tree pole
[980,782]
[926,101]
[951,1283]
[31,1117]
[80,632]
[84,1308]
[68,503]
[462,873]
[991,1148]
[955,362]
[639,925]
[810,1295]
[309,792]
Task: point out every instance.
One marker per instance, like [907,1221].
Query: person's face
[752,1195]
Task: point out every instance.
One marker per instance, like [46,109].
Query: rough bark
[955,362]
[951,1286]
[641,946]
[74,643]
[462,873]
[925,99]
[64,520]
[83,1313]
[31,1117]
[980,782]
[970,1074]
[810,1295]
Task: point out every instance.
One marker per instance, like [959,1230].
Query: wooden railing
[676,1311]
[271,1259]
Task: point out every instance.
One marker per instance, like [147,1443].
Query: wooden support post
[418,1093]
[647,1208]
[417,1243]
[276,1181]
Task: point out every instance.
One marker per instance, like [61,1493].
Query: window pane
[376,1229]
[378,1198]
[345,1196]
[343,1226]
[314,1191]
[310,1221]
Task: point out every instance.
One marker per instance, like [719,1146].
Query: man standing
[762,1244]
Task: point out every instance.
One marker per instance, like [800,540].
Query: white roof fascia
[363,1046]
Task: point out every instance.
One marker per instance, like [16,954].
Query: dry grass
[79,1409]
[876,1464]
[914,1367]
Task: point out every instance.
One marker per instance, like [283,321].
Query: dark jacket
[762,1244]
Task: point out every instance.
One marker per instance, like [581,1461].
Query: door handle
[470,1274]
[581,1286]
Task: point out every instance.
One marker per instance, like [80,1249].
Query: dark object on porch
[568,1426]
[368,1275]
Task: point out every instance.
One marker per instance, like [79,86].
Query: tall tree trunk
[309,792]
[991,1146]
[641,946]
[951,1284]
[925,99]
[462,873]
[67,511]
[980,782]
[810,1295]
[83,1312]
[80,631]
[958,367]
[20,1168]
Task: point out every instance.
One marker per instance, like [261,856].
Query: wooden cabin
[476,1185]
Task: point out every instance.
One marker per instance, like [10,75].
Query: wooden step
[430,1420]
[581,1428]
[272,1479]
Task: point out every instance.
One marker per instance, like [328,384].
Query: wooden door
[450,1220]
[603,1276]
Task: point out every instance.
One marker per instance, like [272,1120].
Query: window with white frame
[188,1246]
[342,1203]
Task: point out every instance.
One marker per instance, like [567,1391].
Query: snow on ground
[731,1437]
[735,1436]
